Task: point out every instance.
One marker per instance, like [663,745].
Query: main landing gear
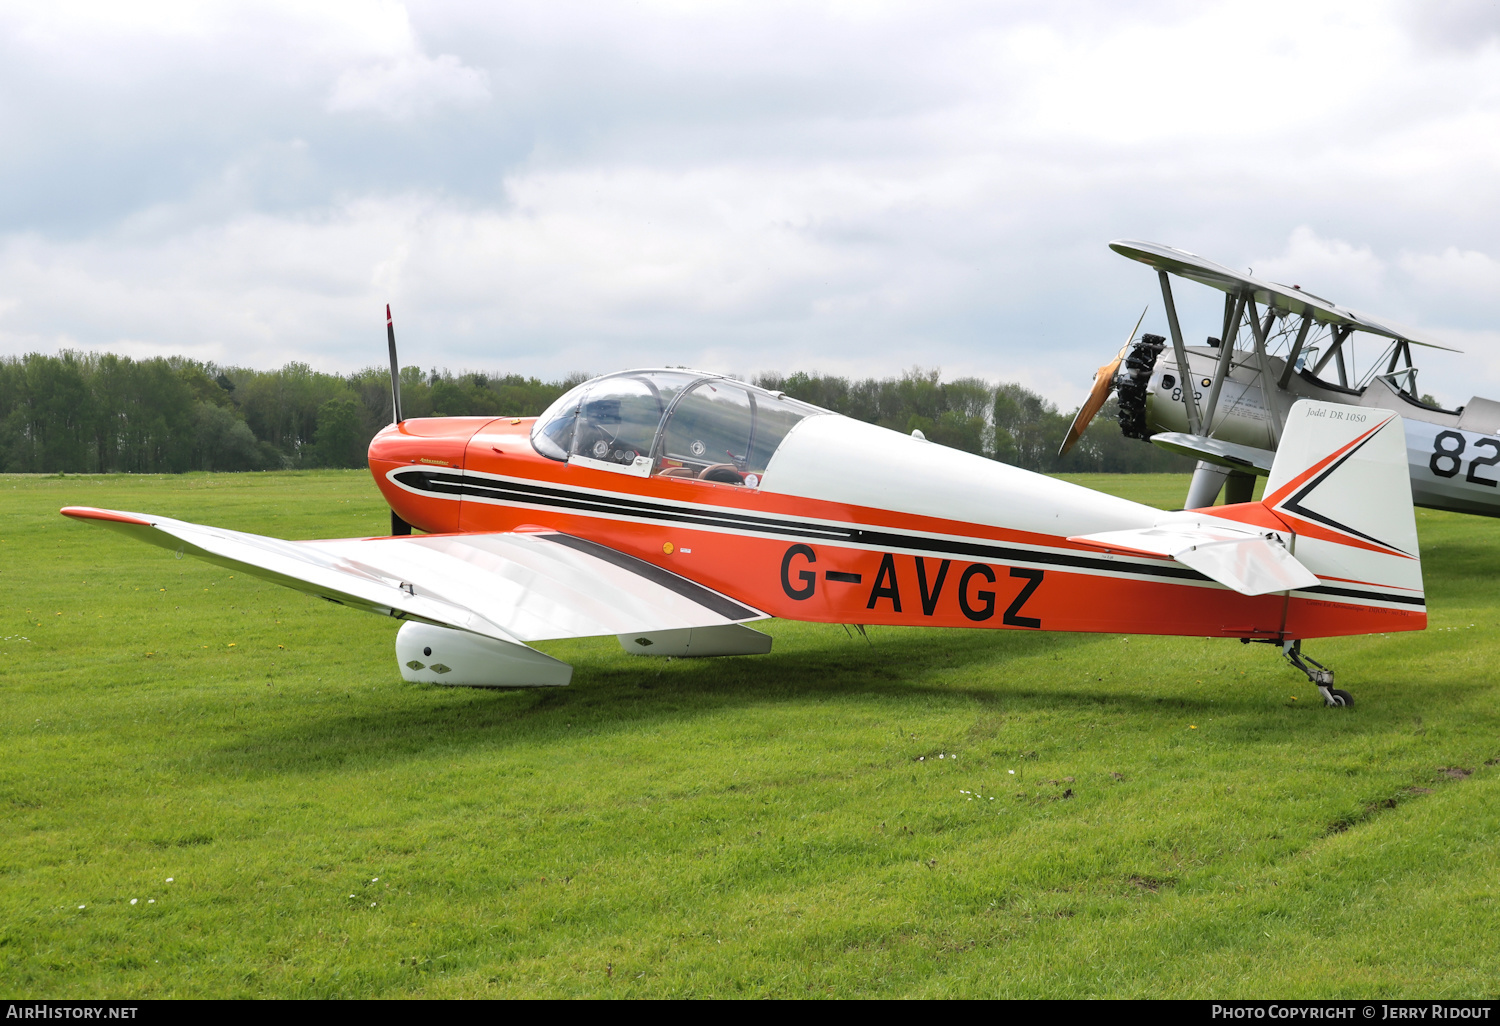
[1316,672]
[1320,675]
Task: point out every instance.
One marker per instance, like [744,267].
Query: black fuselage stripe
[1328,589]
[541,495]
[788,528]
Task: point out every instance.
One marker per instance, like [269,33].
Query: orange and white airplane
[672,508]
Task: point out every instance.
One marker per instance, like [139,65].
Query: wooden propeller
[1104,383]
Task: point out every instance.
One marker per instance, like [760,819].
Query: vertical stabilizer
[1340,481]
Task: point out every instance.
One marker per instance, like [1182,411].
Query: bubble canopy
[670,423]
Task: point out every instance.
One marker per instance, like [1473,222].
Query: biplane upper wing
[514,587]
[1281,297]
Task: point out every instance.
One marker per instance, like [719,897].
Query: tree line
[101,413]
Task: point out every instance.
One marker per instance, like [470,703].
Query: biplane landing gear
[1316,672]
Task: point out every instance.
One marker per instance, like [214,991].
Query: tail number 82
[1447,457]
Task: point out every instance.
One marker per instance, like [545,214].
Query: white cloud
[1453,24]
[1338,267]
[410,85]
[1466,275]
[712,265]
[1445,294]
[855,188]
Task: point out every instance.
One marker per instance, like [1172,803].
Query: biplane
[673,508]
[1225,403]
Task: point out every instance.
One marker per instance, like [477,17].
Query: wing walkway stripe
[706,597]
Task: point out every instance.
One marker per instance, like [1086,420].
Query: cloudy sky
[850,187]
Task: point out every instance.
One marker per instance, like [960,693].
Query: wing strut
[1273,422]
[1189,402]
[1234,312]
[1400,352]
[1291,360]
[1340,332]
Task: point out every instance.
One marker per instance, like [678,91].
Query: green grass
[795,824]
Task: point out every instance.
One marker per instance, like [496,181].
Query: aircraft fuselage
[856,524]
[1454,456]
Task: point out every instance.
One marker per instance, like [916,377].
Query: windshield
[614,419]
[552,434]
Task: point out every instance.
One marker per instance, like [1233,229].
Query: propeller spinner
[1104,383]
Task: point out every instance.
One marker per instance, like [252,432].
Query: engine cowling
[1133,385]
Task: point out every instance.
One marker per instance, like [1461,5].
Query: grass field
[214,787]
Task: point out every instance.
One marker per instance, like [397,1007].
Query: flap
[513,587]
[1250,562]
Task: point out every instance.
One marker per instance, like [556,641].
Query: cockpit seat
[678,472]
[724,473]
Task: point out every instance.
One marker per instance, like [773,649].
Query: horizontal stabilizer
[1250,562]
[515,587]
[1245,458]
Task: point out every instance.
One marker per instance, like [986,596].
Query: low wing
[517,587]
[1248,561]
[1267,293]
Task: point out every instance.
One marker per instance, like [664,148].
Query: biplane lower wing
[1246,458]
[512,587]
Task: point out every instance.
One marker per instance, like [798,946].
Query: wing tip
[93,513]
